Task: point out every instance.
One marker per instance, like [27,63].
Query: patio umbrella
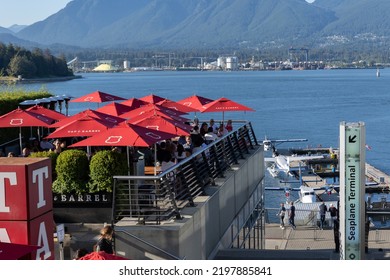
[152,98]
[37,109]
[222,105]
[97,97]
[151,108]
[195,102]
[115,109]
[161,123]
[85,126]
[126,135]
[101,255]
[164,114]
[92,113]
[21,118]
[13,251]
[175,106]
[135,102]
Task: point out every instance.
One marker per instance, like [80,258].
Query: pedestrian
[281,214]
[333,213]
[105,240]
[322,210]
[291,215]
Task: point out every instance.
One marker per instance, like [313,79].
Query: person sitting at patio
[229,125]
[26,151]
[46,145]
[180,153]
[188,145]
[210,136]
[222,130]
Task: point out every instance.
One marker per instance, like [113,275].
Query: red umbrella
[125,134]
[151,108]
[93,113]
[195,102]
[97,97]
[84,126]
[159,113]
[21,118]
[13,251]
[135,102]
[115,109]
[175,106]
[152,98]
[223,104]
[101,255]
[37,109]
[160,123]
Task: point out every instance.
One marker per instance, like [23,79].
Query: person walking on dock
[333,214]
[323,210]
[291,215]
[282,214]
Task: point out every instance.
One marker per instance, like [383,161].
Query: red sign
[25,188]
[38,231]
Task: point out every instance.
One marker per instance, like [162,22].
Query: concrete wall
[198,234]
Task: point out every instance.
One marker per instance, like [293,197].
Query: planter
[85,208]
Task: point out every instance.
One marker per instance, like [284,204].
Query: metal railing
[152,199]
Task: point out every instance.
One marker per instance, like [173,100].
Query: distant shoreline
[39,80]
[48,80]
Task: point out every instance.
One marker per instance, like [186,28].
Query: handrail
[148,247]
[159,197]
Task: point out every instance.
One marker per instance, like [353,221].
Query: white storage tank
[232,63]
[126,64]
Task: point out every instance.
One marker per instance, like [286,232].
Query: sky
[26,12]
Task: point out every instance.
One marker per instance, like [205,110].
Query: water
[287,104]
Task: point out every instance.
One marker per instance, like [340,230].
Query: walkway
[307,243]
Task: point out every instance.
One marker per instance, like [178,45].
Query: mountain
[211,24]
[16,27]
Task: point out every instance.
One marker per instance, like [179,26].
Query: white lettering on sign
[11,176]
[43,241]
[38,178]
[4,237]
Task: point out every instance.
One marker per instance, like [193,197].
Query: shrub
[48,154]
[72,172]
[103,166]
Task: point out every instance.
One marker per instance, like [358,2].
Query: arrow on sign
[352,139]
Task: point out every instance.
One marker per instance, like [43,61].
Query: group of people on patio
[172,151]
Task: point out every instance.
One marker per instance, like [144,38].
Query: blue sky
[26,12]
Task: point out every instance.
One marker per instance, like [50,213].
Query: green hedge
[103,166]
[72,172]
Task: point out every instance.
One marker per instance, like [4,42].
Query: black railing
[151,199]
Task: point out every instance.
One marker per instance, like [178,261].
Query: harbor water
[287,104]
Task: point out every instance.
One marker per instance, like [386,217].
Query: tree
[21,65]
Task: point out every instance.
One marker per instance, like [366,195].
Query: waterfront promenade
[304,243]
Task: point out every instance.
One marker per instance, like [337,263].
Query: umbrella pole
[20,140]
[128,160]
[155,159]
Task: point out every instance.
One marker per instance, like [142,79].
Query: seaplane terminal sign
[352,173]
